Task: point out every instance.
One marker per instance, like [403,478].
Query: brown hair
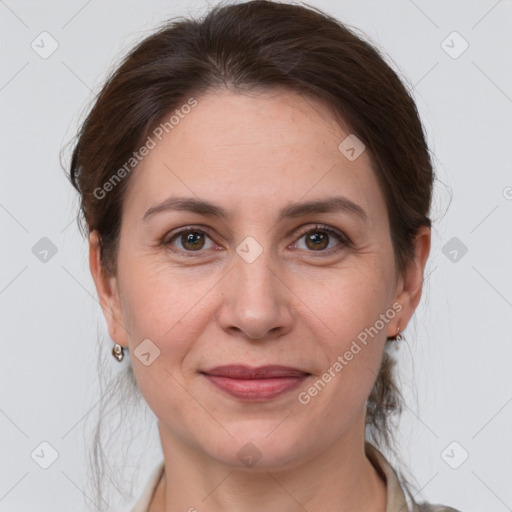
[257,45]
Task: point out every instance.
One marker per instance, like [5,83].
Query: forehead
[237,148]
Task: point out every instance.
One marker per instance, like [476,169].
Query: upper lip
[250,372]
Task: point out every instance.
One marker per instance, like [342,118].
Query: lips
[261,372]
[255,384]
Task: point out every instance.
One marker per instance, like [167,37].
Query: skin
[254,154]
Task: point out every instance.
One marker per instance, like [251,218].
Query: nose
[257,303]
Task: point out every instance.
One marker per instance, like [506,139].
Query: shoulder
[144,501]
[430,507]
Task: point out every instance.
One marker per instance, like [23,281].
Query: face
[268,282]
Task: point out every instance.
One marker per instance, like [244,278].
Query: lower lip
[256,389]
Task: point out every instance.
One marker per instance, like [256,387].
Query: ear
[410,284]
[108,292]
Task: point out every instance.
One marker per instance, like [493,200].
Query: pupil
[193,239]
[318,240]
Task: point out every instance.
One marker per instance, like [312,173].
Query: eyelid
[191,227]
[332,231]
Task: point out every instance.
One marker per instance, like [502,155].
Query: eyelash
[344,240]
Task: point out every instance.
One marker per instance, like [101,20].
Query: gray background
[456,362]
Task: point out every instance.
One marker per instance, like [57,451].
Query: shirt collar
[395,501]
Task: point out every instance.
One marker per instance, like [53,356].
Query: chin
[260,448]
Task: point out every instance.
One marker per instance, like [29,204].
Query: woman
[256,188]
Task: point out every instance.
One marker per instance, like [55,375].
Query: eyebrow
[192,204]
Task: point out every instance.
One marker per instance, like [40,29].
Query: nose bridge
[254,299]
[255,278]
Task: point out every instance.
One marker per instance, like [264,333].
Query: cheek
[349,301]
[156,300]
[167,396]
[159,308]
[353,313]
[339,393]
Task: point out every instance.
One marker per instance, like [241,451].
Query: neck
[341,479]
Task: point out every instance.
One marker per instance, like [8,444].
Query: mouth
[255,384]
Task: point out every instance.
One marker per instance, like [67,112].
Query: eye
[321,238]
[190,239]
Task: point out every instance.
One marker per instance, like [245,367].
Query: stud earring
[118,352]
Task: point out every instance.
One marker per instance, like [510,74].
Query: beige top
[395,495]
